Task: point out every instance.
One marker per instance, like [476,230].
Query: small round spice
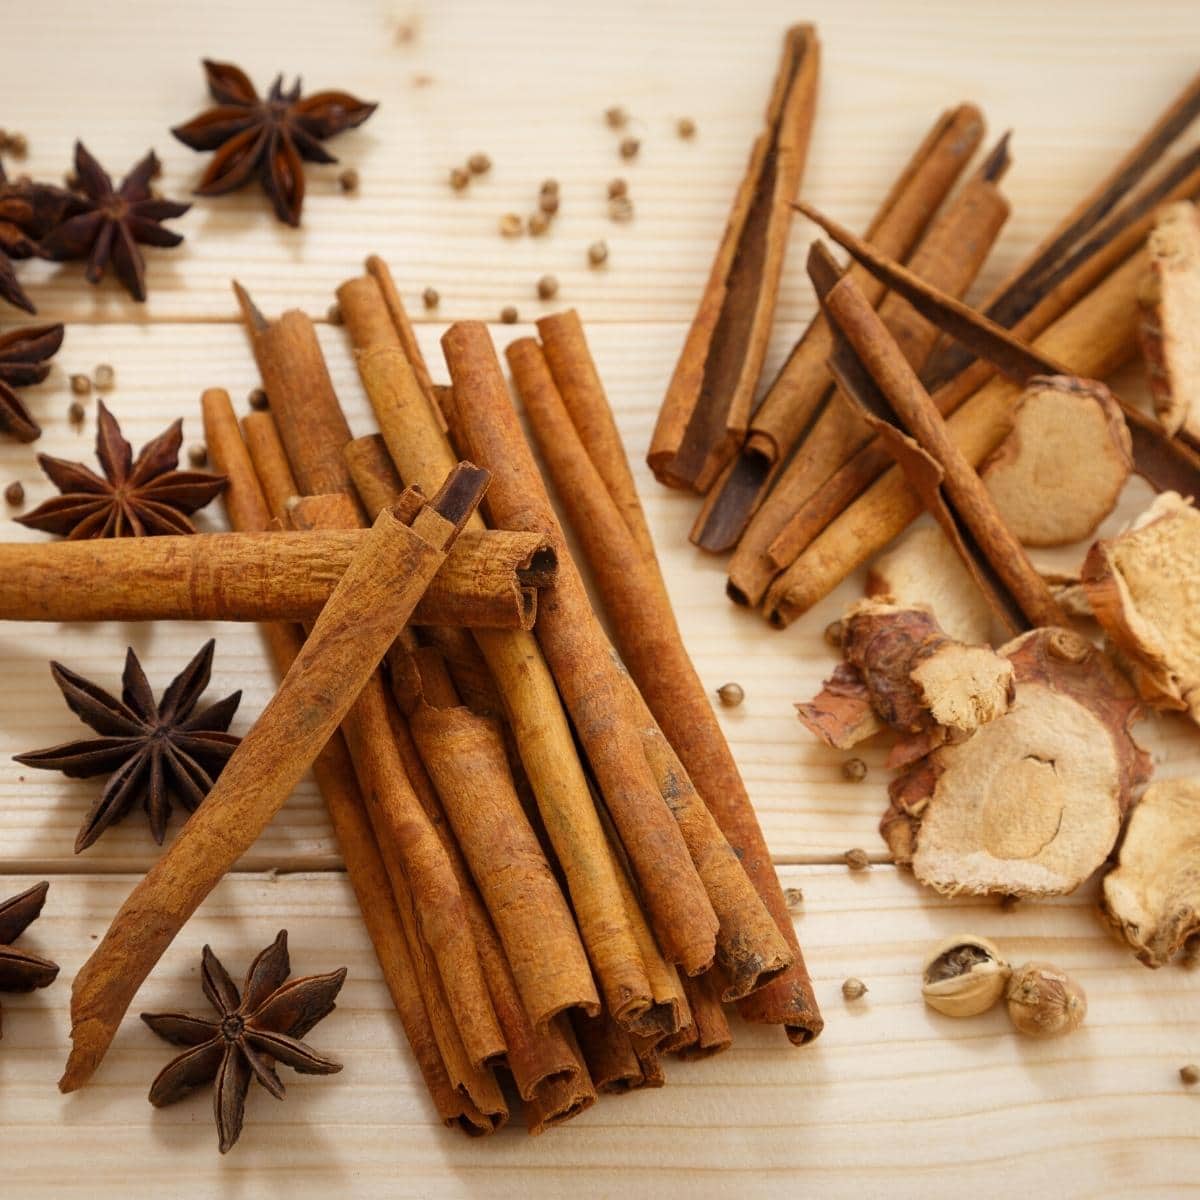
[853,989]
[548,203]
[258,400]
[17,144]
[621,209]
[198,454]
[731,694]
[549,187]
[508,314]
[793,897]
[14,494]
[511,225]
[598,253]
[685,127]
[333,314]
[1189,1074]
[835,631]
[616,117]
[81,385]
[76,413]
[547,287]
[857,859]
[854,769]
[617,188]
[629,147]
[459,178]
[1044,1001]
[104,377]
[479,163]
[430,297]
[538,223]
[348,180]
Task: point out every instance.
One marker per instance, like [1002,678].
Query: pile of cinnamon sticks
[553,851]
[799,486]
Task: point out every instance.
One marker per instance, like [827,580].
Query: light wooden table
[892,1100]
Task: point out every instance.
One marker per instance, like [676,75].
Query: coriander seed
[17,144]
[459,178]
[793,897]
[430,297]
[1190,1074]
[854,769]
[731,694]
[548,203]
[198,454]
[853,989]
[621,209]
[258,400]
[629,147]
[104,377]
[14,494]
[508,314]
[686,128]
[835,631]
[547,287]
[511,225]
[479,163]
[76,413]
[538,223]
[549,187]
[348,180]
[857,859]
[617,188]
[616,117]
[81,385]
[598,254]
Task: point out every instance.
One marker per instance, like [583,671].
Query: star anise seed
[138,497]
[21,970]
[25,355]
[106,225]
[152,752]
[254,1031]
[269,138]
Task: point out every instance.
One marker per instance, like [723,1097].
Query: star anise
[28,211]
[268,138]
[20,970]
[152,753]
[261,1027]
[24,360]
[138,497]
[105,225]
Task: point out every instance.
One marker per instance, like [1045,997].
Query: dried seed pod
[1044,1002]
[731,694]
[853,989]
[598,254]
[964,976]
[458,178]
[479,163]
[1060,470]
[430,297]
[511,225]
[547,287]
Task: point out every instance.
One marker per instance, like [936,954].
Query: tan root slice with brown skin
[1142,587]
[1170,327]
[1032,804]
[1061,469]
[840,714]
[924,568]
[1152,896]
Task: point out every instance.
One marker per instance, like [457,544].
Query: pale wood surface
[892,1100]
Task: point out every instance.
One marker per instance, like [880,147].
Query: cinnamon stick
[612,1063]
[803,382]
[707,405]
[271,465]
[563,1098]
[375,479]
[712,1033]
[401,326]
[372,602]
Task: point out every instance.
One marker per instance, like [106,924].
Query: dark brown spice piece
[630,147]
[548,203]
[76,413]
[134,498]
[28,211]
[598,253]
[685,127]
[153,752]
[430,298]
[25,355]
[254,1031]
[479,164]
[21,970]
[198,454]
[547,287]
[270,138]
[616,117]
[617,188]
[81,385]
[348,180]
[508,315]
[258,400]
[14,494]
[106,225]
[458,178]
[17,144]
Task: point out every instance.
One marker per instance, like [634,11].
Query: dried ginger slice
[1031,804]
[1152,896]
[1144,588]
[1060,470]
[924,568]
[840,714]
[1170,325]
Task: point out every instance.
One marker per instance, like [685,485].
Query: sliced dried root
[1144,588]
[1170,326]
[1152,897]
[1032,804]
[1060,470]
[840,714]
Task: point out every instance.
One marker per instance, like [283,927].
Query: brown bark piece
[1153,895]
[1061,469]
[1170,326]
[1143,587]
[840,714]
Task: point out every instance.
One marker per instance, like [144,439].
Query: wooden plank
[893,1099]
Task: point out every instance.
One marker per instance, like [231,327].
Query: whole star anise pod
[105,225]
[138,497]
[21,970]
[28,211]
[24,359]
[152,752]
[268,138]
[261,1027]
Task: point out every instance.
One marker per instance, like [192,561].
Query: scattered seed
[430,297]
[76,413]
[459,178]
[479,163]
[854,769]
[258,400]
[14,494]
[629,147]
[616,117]
[81,385]
[621,209]
[511,225]
[538,223]
[104,377]
[731,694]
[348,180]
[549,187]
[508,314]
[793,897]
[598,253]
[547,287]
[1190,1074]
[834,633]
[333,314]
[685,127]
[17,144]
[857,859]
[548,203]
[617,188]
[853,989]
[198,454]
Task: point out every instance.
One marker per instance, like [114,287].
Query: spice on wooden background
[25,355]
[22,970]
[104,377]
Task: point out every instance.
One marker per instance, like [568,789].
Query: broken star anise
[105,225]
[20,970]
[269,138]
[24,359]
[28,211]
[138,497]
[152,752]
[254,1031]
